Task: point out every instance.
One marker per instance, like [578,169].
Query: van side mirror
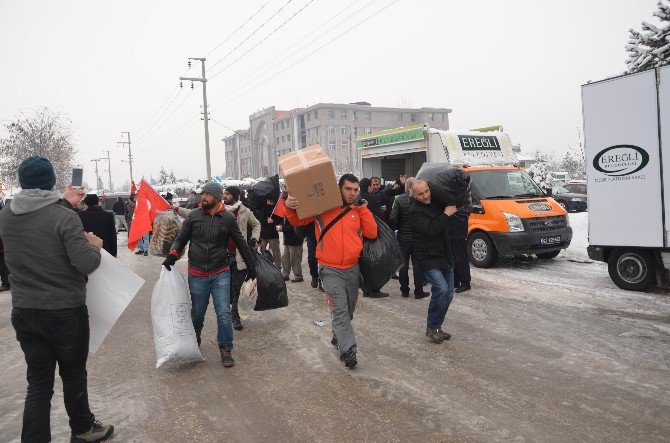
[548,192]
[477,209]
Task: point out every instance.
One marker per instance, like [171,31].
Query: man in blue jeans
[432,249]
[212,234]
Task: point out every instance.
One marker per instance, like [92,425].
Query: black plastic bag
[380,259]
[448,186]
[261,191]
[270,283]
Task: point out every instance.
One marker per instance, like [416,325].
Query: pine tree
[651,47]
[162,177]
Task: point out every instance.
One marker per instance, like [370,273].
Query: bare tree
[42,132]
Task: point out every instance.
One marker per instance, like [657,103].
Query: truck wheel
[481,250]
[632,269]
[563,204]
[548,255]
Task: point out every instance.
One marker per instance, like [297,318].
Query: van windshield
[505,183]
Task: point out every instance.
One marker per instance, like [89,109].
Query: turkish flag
[280,208]
[133,189]
[148,202]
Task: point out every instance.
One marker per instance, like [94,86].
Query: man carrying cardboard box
[339,234]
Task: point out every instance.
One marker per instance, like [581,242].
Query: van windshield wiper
[529,195]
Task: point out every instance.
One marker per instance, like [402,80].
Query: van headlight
[514,222]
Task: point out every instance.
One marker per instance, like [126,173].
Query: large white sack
[109,290]
[174,336]
[247,300]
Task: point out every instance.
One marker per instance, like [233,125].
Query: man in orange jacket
[337,252]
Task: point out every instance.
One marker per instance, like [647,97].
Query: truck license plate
[550,240]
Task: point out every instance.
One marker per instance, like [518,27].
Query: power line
[152,128]
[251,77]
[166,120]
[176,88]
[174,137]
[251,35]
[379,11]
[240,27]
[265,38]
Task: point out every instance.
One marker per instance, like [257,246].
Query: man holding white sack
[208,231]
[49,256]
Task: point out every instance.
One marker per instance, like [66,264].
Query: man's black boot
[462,288]
[349,358]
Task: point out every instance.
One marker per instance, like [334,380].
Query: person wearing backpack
[340,232]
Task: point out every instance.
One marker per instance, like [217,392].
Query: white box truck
[627,147]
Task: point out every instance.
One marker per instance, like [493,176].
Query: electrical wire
[139,142]
[264,38]
[160,145]
[239,27]
[157,111]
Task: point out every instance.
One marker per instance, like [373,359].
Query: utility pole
[109,169]
[97,177]
[130,154]
[203,80]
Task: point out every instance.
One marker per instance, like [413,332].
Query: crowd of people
[49,311]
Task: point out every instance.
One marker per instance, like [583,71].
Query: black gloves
[252,243]
[251,274]
[169,262]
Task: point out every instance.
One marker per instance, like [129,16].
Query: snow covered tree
[541,175]
[651,47]
[163,177]
[43,132]
[172,178]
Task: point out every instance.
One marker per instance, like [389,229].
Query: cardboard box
[310,178]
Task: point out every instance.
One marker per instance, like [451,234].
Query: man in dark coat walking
[99,222]
[457,230]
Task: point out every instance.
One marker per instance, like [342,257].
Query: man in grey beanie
[49,257]
[209,231]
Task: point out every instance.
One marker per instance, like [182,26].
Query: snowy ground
[542,350]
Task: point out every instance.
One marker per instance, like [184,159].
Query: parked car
[576,186]
[571,201]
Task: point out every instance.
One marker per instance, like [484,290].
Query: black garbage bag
[261,191]
[380,258]
[270,283]
[448,185]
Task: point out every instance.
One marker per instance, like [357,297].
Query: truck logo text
[620,160]
[539,207]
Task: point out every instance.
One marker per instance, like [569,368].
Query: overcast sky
[111,65]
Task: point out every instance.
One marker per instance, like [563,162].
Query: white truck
[627,147]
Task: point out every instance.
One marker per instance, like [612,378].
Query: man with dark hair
[119,210]
[337,252]
[382,198]
[100,222]
[208,231]
[49,257]
[433,252]
[373,199]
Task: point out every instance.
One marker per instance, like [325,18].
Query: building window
[331,129]
[354,112]
[400,117]
[282,124]
[308,115]
[368,131]
[277,140]
[368,116]
[316,115]
[331,113]
[440,117]
[431,117]
[345,144]
[283,139]
[412,117]
[344,130]
[331,145]
[288,137]
[343,113]
[355,132]
[317,130]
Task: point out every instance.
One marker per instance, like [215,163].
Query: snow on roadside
[580,237]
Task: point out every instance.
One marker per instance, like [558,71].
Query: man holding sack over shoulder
[208,230]
[339,233]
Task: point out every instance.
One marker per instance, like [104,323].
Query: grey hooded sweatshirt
[46,252]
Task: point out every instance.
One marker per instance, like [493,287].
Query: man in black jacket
[100,222]
[457,230]
[119,210]
[433,252]
[208,230]
[401,220]
[373,199]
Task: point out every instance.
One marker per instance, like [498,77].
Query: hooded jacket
[46,252]
[432,246]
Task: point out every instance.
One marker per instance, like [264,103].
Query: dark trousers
[237,277]
[461,262]
[48,337]
[311,256]
[406,250]
[4,272]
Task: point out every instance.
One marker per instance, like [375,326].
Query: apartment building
[254,151]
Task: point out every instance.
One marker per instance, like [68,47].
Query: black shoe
[227,358]
[197,337]
[421,295]
[434,335]
[139,253]
[404,294]
[349,358]
[237,323]
[333,341]
[146,253]
[462,288]
[98,432]
[287,278]
[425,283]
[315,282]
[377,294]
[395,277]
[445,335]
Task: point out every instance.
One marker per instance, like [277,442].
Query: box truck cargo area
[627,147]
[512,214]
